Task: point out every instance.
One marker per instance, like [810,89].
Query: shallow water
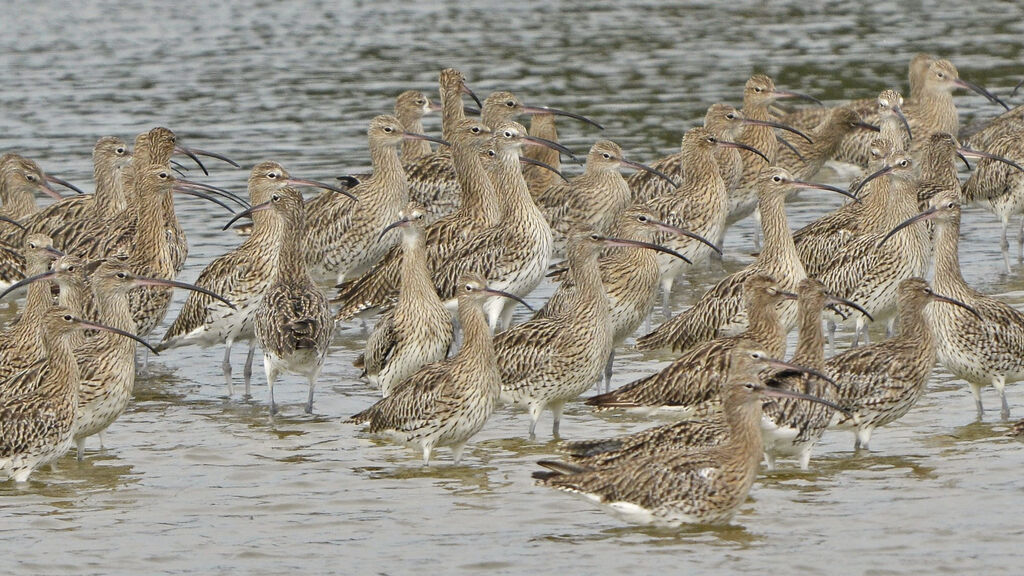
[192,481]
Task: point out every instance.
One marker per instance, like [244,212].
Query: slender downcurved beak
[557,112]
[955,302]
[928,214]
[867,126]
[508,295]
[528,160]
[432,107]
[980,90]
[27,281]
[147,281]
[220,157]
[964,160]
[665,227]
[393,225]
[415,136]
[778,125]
[257,208]
[196,193]
[816,186]
[783,393]
[799,95]
[832,300]
[192,156]
[741,146]
[788,295]
[964,151]
[538,141]
[650,170]
[466,90]
[214,190]
[64,183]
[623,242]
[1017,87]
[13,222]
[899,113]
[54,252]
[783,366]
[792,148]
[111,329]
[316,184]
[880,172]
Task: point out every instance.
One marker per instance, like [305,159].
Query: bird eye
[475,129]
[508,134]
[120,150]
[491,153]
[510,103]
[32,245]
[72,268]
[904,163]
[776,178]
[388,130]
[68,318]
[641,218]
[940,75]
[730,116]
[469,287]
[421,102]
[595,237]
[30,177]
[275,198]
[162,176]
[951,205]
[749,386]
[758,89]
[122,275]
[272,175]
[606,156]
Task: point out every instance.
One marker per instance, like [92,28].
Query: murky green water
[192,481]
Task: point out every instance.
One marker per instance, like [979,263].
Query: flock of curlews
[442,242]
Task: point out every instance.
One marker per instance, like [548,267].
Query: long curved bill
[64,183]
[196,193]
[538,141]
[147,281]
[528,160]
[249,212]
[792,148]
[214,190]
[899,114]
[867,126]
[816,186]
[220,157]
[13,222]
[832,300]
[26,281]
[880,172]
[797,95]
[778,125]
[392,226]
[111,329]
[978,154]
[622,242]
[980,90]
[741,146]
[650,170]
[557,112]
[1017,87]
[192,156]
[783,366]
[471,94]
[925,215]
[783,393]
[316,184]
[508,295]
[415,136]
[955,302]
[666,227]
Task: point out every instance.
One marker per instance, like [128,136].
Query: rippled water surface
[192,481]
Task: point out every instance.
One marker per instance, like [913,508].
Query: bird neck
[891,129]
[477,341]
[152,249]
[539,179]
[764,326]
[413,149]
[516,203]
[452,112]
[416,282]
[700,172]
[936,112]
[760,137]
[778,239]
[478,199]
[291,261]
[62,369]
[948,278]
[744,420]
[116,312]
[266,230]
[389,177]
[37,301]
[810,347]
[109,198]
[913,325]
[18,203]
[585,276]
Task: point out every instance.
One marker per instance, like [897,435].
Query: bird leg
[556,411]
[247,373]
[976,392]
[457,452]
[607,376]
[225,365]
[80,443]
[1000,384]
[271,376]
